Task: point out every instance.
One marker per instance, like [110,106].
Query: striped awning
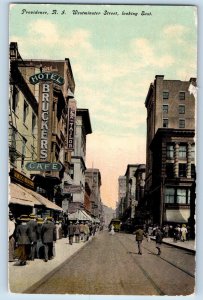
[24,196]
[18,195]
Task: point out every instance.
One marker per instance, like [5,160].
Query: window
[182,170]
[193,151]
[169,195]
[181,196]
[193,171]
[13,140]
[169,170]
[182,151]
[15,98]
[181,109]
[25,111]
[165,109]
[181,95]
[181,123]
[34,121]
[169,151]
[165,123]
[165,95]
[24,141]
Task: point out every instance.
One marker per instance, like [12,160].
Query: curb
[176,246]
[52,272]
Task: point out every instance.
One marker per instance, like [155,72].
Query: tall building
[93,179]
[121,195]
[170,151]
[31,151]
[78,157]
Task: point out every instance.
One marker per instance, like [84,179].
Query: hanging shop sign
[43,166]
[46,76]
[71,189]
[20,178]
[71,124]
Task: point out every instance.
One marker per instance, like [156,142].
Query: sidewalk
[23,277]
[188,245]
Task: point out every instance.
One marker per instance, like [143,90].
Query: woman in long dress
[112,230]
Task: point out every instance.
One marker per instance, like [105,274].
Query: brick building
[170,151]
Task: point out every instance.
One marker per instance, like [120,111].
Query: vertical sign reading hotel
[71,124]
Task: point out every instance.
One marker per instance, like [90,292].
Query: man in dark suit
[23,239]
[48,235]
[32,224]
[139,233]
[71,232]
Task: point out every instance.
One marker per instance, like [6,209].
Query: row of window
[182,151]
[181,109]
[15,100]
[181,123]
[182,170]
[177,196]
[166,95]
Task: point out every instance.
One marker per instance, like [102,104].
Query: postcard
[102,149]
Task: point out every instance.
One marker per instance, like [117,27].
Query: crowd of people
[33,237]
[178,233]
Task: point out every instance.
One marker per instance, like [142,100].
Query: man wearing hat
[11,230]
[48,234]
[33,234]
[71,231]
[23,238]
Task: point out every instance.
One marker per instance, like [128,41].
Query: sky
[114,58]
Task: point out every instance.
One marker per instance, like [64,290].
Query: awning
[23,196]
[44,201]
[80,215]
[177,215]
[19,195]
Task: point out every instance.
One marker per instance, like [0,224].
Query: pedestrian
[139,233]
[71,229]
[48,235]
[11,231]
[77,232]
[40,245]
[82,230]
[34,235]
[188,233]
[23,239]
[86,232]
[112,232]
[159,236]
[176,233]
[57,229]
[183,232]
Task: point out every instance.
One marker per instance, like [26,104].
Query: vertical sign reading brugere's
[46,81]
[45,116]
[71,123]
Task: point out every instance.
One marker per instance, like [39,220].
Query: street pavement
[37,270]
[34,271]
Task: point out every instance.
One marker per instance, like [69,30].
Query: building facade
[78,157]
[25,128]
[170,148]
[121,195]
[93,179]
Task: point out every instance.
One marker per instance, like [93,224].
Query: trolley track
[168,261]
